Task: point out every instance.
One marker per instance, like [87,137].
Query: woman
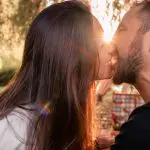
[47,106]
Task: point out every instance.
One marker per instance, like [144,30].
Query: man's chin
[117,80]
[124,75]
[117,74]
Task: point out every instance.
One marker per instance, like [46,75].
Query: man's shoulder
[135,133]
[140,117]
[140,111]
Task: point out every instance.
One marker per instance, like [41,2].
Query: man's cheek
[123,47]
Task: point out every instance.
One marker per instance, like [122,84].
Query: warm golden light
[98,9]
[107,31]
[107,36]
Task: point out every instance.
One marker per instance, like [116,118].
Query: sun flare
[98,9]
[107,36]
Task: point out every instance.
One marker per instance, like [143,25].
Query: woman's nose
[114,50]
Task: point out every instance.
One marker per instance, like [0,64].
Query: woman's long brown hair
[57,71]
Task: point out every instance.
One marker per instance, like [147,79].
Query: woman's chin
[105,77]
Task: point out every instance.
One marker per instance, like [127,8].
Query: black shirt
[135,133]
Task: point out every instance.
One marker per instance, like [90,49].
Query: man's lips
[114,62]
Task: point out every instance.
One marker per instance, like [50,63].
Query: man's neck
[143,86]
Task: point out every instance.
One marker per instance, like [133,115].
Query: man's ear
[146,44]
[145,51]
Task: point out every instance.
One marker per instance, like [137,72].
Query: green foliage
[15,17]
[6,76]
[9,62]
[25,13]
[117,8]
[56,1]
[10,66]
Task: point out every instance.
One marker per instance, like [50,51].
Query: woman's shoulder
[13,130]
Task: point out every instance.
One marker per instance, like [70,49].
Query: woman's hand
[104,142]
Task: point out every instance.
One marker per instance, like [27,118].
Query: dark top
[135,133]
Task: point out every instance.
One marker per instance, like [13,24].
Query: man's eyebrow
[144,16]
[123,25]
[145,26]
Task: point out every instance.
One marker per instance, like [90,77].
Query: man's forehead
[132,14]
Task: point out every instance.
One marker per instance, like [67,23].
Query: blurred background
[15,18]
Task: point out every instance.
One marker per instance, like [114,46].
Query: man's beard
[128,68]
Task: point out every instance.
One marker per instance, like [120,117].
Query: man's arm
[135,133]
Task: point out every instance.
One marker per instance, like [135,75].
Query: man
[133,43]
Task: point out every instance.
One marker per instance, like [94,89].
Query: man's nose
[115,37]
